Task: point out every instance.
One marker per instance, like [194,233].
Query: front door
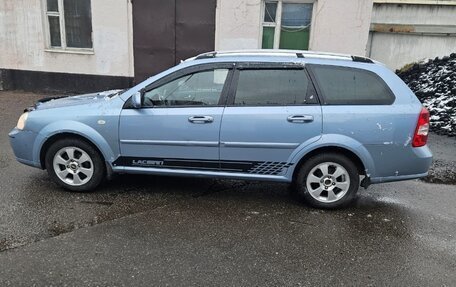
[178,126]
[272,111]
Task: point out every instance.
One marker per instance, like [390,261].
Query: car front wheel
[327,181]
[75,165]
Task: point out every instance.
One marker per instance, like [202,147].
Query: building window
[286,25]
[69,24]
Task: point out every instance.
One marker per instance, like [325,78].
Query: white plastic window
[286,24]
[68,24]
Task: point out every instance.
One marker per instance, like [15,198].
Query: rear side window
[351,86]
[273,87]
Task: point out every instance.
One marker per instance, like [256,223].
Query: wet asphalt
[150,230]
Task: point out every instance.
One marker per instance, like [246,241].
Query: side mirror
[136,100]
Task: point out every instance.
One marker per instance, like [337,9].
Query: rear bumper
[22,143]
[412,163]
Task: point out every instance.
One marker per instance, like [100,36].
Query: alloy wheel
[73,166]
[328,182]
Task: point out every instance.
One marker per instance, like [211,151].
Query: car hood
[66,101]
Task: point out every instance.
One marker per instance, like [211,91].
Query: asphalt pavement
[151,230]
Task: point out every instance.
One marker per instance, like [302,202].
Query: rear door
[272,110]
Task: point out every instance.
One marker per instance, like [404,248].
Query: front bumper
[22,142]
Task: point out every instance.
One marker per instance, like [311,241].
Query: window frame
[61,15]
[187,71]
[278,21]
[322,97]
[311,89]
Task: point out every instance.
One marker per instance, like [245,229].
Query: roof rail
[361,59]
[249,52]
[206,55]
[278,52]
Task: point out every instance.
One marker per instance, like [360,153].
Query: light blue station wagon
[327,123]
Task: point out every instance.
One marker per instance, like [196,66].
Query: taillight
[422,129]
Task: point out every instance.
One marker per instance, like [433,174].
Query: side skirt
[375,180]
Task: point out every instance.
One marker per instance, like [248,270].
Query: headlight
[21,122]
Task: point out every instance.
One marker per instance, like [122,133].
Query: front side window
[69,24]
[273,87]
[197,89]
[286,25]
[351,86]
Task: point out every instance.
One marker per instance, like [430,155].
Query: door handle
[200,119]
[300,119]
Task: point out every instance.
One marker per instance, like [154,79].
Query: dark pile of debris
[434,83]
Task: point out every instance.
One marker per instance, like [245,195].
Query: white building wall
[336,27]
[238,24]
[341,26]
[399,49]
[23,43]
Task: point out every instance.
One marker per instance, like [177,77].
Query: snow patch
[434,83]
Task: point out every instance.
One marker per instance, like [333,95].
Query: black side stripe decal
[253,167]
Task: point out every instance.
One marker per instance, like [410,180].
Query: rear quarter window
[351,86]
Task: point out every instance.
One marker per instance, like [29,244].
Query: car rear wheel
[327,181]
[75,165]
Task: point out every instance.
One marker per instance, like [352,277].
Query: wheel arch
[331,149]
[345,145]
[59,130]
[64,135]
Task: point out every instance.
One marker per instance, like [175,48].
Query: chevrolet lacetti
[326,123]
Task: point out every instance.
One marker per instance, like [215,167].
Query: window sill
[71,51]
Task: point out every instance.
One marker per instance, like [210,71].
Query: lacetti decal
[146,162]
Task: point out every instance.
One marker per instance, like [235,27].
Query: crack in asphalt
[58,229]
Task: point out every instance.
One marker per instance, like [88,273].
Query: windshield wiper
[117,93]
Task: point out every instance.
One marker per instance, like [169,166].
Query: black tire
[97,163]
[299,186]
